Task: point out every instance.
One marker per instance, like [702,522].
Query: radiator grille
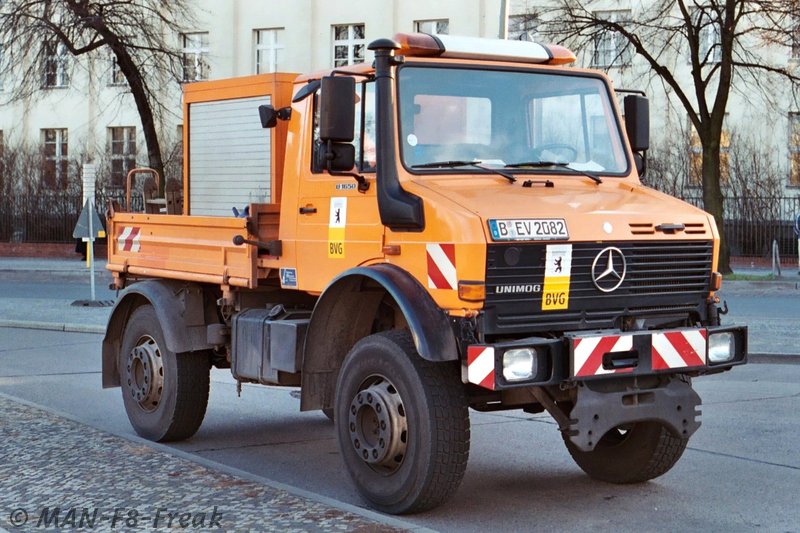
[662,279]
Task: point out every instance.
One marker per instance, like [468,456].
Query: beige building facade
[84,110]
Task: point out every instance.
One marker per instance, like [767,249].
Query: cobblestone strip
[57,474]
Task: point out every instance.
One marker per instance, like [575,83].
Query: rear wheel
[632,453]
[402,424]
[165,394]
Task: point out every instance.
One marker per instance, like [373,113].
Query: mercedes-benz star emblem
[608,269]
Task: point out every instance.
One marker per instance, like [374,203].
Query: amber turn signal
[472,291]
[716,281]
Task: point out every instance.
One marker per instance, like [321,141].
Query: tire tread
[452,450]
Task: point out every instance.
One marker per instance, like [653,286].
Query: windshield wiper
[476,164]
[540,164]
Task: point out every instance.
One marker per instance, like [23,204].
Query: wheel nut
[378,408]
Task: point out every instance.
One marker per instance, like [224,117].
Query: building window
[55,153]
[56,65]
[123,153]
[117,77]
[349,44]
[195,56]
[708,26]
[269,50]
[696,158]
[611,49]
[794,149]
[524,27]
[433,27]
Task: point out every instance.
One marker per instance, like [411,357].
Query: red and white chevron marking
[679,349]
[128,240]
[480,366]
[442,266]
[588,352]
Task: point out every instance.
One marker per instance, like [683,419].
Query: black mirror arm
[363,184]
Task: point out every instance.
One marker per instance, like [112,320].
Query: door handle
[308,210]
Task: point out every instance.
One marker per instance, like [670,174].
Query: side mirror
[637,122]
[268,115]
[336,109]
[341,157]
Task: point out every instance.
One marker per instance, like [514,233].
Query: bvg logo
[557,300]
[336,249]
[337,225]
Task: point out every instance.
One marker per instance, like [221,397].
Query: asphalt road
[18,285]
[741,471]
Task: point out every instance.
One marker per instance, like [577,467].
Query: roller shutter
[229,156]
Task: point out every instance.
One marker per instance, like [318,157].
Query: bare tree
[141,36]
[668,161]
[723,41]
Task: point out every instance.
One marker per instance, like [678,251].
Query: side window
[364,135]
[365,128]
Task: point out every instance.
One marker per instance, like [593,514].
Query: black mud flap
[674,404]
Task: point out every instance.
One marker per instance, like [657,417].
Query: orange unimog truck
[459,225]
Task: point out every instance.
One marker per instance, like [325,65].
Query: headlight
[519,364]
[721,347]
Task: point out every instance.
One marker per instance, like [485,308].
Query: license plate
[529,229]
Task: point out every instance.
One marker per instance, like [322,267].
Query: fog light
[519,364]
[720,347]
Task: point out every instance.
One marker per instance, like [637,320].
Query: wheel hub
[378,425]
[145,373]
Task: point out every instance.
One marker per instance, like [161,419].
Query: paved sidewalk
[58,474]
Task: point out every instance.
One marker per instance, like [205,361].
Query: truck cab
[460,225]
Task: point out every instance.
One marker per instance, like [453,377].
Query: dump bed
[233,171]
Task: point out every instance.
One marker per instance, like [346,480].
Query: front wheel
[402,424]
[632,453]
[165,394]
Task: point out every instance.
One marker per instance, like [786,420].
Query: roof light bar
[424,45]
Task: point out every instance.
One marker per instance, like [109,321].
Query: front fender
[345,313]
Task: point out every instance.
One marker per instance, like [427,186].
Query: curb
[780,283]
[236,472]
[763,358]
[756,357]
[53,326]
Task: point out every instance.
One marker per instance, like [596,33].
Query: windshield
[528,121]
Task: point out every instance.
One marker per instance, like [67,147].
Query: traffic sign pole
[90,246]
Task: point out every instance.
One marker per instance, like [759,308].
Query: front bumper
[591,355]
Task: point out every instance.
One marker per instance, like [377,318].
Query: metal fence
[751,223]
[48,216]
